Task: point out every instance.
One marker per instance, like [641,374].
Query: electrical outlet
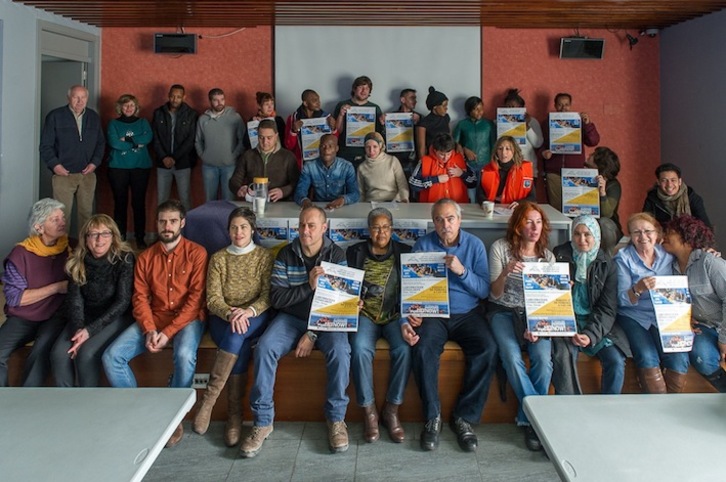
[200,380]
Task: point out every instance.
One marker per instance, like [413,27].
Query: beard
[169,236]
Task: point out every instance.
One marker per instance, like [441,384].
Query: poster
[548,299]
[359,122]
[407,231]
[512,122]
[335,303]
[565,133]
[293,229]
[272,233]
[346,232]
[424,285]
[310,133]
[672,305]
[580,194]
[252,127]
[399,132]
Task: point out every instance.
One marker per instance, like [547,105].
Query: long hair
[517,157]
[516,224]
[75,266]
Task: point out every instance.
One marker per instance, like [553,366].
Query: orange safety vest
[453,189]
[518,186]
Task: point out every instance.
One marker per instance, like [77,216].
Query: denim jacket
[328,183]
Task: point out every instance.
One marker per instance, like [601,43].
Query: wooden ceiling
[610,14]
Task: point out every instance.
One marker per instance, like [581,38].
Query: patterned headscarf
[583,260]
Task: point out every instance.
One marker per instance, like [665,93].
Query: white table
[86,434]
[674,437]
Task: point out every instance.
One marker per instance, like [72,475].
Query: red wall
[620,92]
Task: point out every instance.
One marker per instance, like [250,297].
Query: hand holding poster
[335,303]
[310,133]
[565,133]
[424,285]
[580,194]
[512,122]
[359,121]
[548,299]
[672,305]
[399,132]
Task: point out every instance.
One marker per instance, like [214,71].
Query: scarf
[34,244]
[583,260]
[676,205]
[232,249]
[127,120]
[272,115]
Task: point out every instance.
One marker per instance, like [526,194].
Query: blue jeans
[472,333]
[164,178]
[131,343]
[537,381]
[613,370]
[647,348]
[215,177]
[363,349]
[279,339]
[239,344]
[705,355]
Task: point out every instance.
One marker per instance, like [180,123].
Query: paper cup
[488,207]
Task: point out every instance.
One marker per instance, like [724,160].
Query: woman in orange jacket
[508,178]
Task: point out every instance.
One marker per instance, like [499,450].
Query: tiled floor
[299,451]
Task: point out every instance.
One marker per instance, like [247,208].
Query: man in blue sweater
[468,276]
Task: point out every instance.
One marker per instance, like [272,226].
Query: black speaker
[581,48]
[175,43]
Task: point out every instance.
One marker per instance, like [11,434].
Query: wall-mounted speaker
[581,48]
[175,43]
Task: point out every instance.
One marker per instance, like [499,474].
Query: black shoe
[531,440]
[430,434]
[464,434]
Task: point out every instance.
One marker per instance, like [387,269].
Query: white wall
[20,123]
[693,102]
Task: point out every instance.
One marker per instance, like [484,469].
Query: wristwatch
[636,292]
[312,336]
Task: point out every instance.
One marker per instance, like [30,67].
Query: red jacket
[454,188]
[517,187]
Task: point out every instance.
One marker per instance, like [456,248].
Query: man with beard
[168,306]
[219,143]
[359,97]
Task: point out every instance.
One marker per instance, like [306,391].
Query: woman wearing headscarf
[595,299]
[380,175]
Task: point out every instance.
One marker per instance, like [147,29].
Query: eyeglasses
[381,229]
[646,232]
[104,235]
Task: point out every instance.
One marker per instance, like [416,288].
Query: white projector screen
[327,59]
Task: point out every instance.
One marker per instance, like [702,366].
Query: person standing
[174,125]
[72,146]
[129,165]
[359,97]
[219,142]
[309,109]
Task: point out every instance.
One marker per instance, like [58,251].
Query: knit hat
[435,98]
[375,136]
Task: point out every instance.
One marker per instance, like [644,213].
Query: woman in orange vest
[443,173]
[508,178]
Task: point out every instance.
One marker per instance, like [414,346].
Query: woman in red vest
[443,173]
[508,178]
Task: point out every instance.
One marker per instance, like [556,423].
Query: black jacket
[185,129]
[655,206]
[602,286]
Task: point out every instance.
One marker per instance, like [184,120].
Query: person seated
[638,264]
[380,257]
[507,179]
[380,176]
[360,94]
[309,109]
[97,305]
[474,138]
[688,239]
[534,137]
[35,285]
[608,165]
[595,300]
[328,178]
[526,241]
[294,279]
[468,274]
[435,123]
[267,160]
[443,173]
[671,197]
[238,300]
[266,110]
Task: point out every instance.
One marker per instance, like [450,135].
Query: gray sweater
[220,139]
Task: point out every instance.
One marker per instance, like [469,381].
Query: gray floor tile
[275,462]
[316,463]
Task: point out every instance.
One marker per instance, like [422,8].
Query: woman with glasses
[638,264]
[101,271]
[380,257]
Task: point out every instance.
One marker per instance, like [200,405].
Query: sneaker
[464,434]
[252,444]
[337,436]
[531,440]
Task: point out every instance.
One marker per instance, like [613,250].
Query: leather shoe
[371,433]
[464,434]
[391,421]
[176,436]
[531,440]
[430,434]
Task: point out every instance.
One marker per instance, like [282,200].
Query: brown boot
[370,423]
[651,380]
[675,382]
[390,420]
[235,392]
[176,437]
[217,378]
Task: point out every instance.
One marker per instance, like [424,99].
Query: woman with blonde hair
[101,271]
[508,178]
